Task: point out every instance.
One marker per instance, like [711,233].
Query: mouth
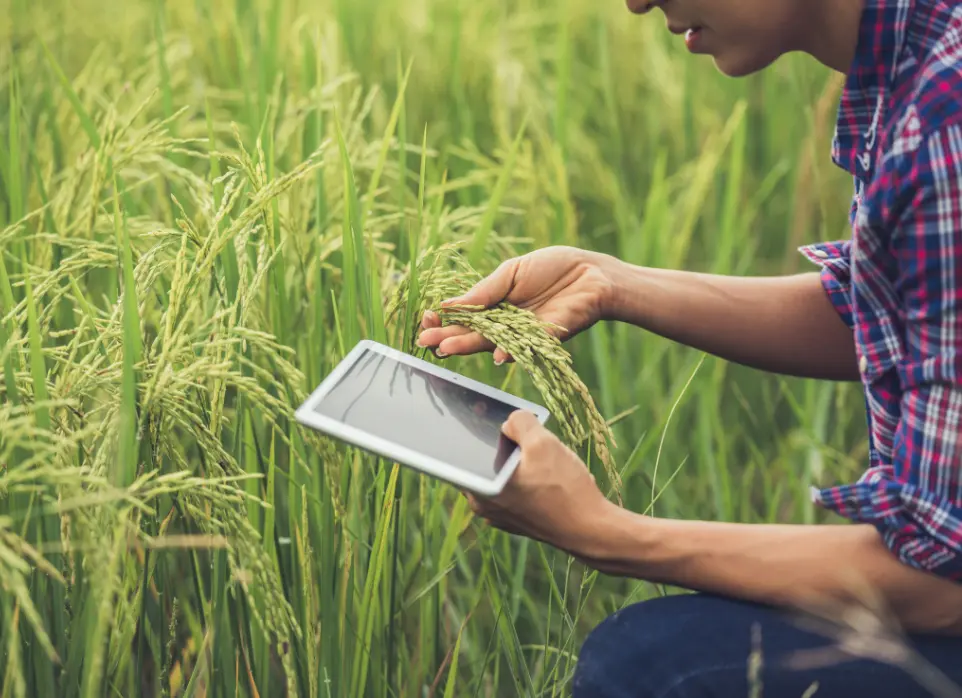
[692,35]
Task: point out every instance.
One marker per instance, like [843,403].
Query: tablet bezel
[307,415]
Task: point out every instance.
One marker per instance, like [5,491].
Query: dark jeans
[698,646]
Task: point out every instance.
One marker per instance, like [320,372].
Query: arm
[553,498]
[779,565]
[783,325]
[907,540]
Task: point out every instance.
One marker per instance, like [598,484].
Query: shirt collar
[881,37]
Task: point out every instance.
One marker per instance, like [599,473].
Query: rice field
[204,204]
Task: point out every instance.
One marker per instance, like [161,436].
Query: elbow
[924,600]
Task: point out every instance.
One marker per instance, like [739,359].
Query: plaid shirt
[898,281]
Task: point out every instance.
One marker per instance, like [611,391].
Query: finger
[469,343]
[490,290]
[502,357]
[434,336]
[479,506]
[430,319]
[472,501]
[522,427]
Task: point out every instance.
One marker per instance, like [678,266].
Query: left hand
[552,497]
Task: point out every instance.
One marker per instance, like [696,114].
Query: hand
[561,285]
[552,497]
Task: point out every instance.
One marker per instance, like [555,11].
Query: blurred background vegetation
[204,203]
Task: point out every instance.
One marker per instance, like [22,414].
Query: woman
[885,309]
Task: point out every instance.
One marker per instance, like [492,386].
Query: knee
[622,657]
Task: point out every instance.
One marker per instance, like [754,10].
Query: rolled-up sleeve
[915,501]
[834,258]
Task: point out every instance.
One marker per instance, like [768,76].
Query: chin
[739,65]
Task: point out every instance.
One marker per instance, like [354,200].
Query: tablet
[420,415]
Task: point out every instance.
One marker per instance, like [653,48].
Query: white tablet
[419,415]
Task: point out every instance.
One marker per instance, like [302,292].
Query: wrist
[612,295]
[614,540]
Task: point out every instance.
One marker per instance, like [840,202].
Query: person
[883,308]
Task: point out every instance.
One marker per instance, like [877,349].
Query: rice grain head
[444,273]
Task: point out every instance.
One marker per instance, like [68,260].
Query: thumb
[491,290]
[521,427]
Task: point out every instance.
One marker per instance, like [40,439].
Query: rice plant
[205,203]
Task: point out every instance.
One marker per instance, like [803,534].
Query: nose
[641,7]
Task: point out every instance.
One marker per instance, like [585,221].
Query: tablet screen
[423,412]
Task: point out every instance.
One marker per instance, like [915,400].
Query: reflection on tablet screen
[423,412]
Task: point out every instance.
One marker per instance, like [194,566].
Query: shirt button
[863,364]
[821,254]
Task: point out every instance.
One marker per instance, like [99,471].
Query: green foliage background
[205,203]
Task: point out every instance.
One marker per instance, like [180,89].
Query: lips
[679,28]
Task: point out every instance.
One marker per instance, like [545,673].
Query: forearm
[779,565]
[783,324]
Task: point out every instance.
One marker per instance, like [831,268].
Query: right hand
[565,286]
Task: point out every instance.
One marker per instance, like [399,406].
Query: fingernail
[440,354]
[420,343]
[498,362]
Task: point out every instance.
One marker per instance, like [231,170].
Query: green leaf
[269,510]
[165,89]
[354,261]
[369,601]
[15,185]
[201,673]
[413,288]
[7,334]
[85,121]
[99,611]
[483,233]
[37,366]
[453,671]
[385,147]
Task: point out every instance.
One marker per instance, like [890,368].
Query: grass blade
[356,288]
[480,241]
[368,601]
[414,239]
[389,130]
[7,335]
[37,368]
[453,671]
[166,92]
[15,168]
[85,121]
